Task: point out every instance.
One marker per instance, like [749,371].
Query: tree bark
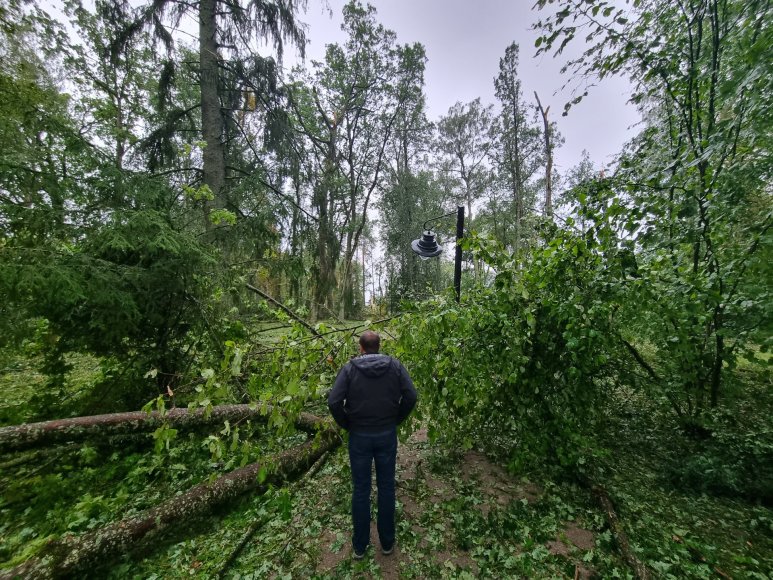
[211,115]
[75,554]
[326,260]
[30,435]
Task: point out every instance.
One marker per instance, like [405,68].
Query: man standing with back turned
[371,396]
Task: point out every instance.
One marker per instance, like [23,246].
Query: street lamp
[427,246]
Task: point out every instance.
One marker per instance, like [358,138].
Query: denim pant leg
[360,458]
[385,454]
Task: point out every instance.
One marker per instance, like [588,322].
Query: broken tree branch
[284,308]
[257,524]
[640,570]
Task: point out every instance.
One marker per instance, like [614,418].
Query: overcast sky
[464,40]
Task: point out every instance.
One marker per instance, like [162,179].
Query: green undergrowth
[448,526]
[694,507]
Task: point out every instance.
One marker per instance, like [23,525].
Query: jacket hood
[372,365]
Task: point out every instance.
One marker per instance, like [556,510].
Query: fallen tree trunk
[75,554]
[29,435]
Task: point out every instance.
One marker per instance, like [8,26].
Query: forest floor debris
[447,508]
[419,490]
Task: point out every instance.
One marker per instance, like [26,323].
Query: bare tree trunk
[120,140]
[30,435]
[363,276]
[71,555]
[324,277]
[549,158]
[211,116]
[515,166]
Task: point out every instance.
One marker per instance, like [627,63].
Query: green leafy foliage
[690,202]
[77,489]
[128,291]
[521,364]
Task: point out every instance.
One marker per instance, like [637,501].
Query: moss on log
[30,435]
[72,555]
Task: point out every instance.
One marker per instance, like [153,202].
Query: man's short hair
[370,342]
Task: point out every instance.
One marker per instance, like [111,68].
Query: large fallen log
[72,555]
[29,435]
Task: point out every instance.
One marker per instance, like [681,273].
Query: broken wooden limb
[641,572]
[72,555]
[29,435]
[254,527]
[39,457]
[652,374]
[284,309]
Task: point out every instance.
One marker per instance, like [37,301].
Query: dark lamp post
[427,246]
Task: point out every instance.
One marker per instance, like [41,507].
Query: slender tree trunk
[346,282]
[515,165]
[296,249]
[363,276]
[549,159]
[477,265]
[120,140]
[515,176]
[323,274]
[211,115]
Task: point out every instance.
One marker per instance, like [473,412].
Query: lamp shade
[426,246]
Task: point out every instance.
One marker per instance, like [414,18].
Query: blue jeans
[364,448]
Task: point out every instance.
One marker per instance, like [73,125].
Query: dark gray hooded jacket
[372,393]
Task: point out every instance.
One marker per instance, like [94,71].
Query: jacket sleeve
[337,396]
[408,394]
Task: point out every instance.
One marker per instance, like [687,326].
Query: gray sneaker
[389,550]
[358,555]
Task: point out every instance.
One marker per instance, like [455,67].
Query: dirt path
[446,507]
